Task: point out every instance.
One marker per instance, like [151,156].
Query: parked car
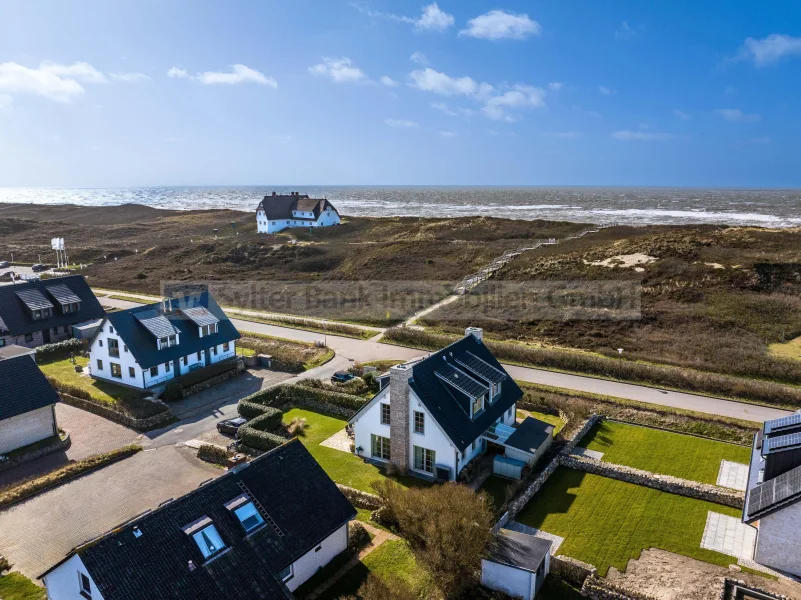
[39,267]
[231,426]
[4,264]
[342,377]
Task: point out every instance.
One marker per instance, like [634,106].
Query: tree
[447,527]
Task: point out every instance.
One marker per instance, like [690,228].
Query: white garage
[516,564]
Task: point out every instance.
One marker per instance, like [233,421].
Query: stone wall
[730,588]
[665,483]
[596,588]
[19,340]
[571,569]
[360,499]
[61,444]
[116,416]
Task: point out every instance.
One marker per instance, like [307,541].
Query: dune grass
[663,452]
[15,586]
[606,522]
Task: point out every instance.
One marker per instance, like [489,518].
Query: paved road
[366,350]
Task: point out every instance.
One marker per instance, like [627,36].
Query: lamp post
[620,359]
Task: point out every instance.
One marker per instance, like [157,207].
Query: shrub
[173,392]
[4,564]
[391,587]
[250,410]
[358,537]
[213,454]
[256,433]
[284,395]
[297,426]
[269,420]
[58,350]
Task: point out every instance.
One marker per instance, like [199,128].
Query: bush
[250,410]
[213,454]
[58,350]
[269,420]
[256,433]
[284,395]
[390,587]
[297,427]
[358,537]
[173,392]
[4,565]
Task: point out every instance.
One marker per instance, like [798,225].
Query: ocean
[635,206]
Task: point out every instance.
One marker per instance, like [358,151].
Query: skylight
[249,516]
[209,541]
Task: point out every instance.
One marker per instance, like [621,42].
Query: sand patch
[624,260]
[715,265]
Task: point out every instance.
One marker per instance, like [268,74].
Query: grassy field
[342,467]
[606,522]
[297,356]
[392,559]
[15,586]
[662,452]
[557,423]
[63,371]
[789,350]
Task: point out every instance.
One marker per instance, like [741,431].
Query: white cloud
[51,80]
[606,91]
[522,96]
[770,49]
[448,134]
[627,32]
[555,86]
[5,101]
[433,19]
[402,123]
[433,81]
[388,81]
[642,136]
[340,70]
[680,114]
[441,106]
[567,135]
[419,58]
[735,115]
[237,74]
[129,77]
[498,25]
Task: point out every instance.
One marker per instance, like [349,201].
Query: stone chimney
[399,424]
[476,331]
[273,193]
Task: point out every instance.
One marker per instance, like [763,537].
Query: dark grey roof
[12,350]
[447,405]
[774,493]
[280,206]
[530,435]
[292,489]
[18,319]
[63,294]
[200,316]
[142,343]
[519,550]
[156,323]
[24,387]
[33,299]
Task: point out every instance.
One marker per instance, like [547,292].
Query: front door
[46,335]
[208,356]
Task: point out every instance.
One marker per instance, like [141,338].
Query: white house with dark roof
[149,345]
[281,211]
[773,496]
[440,412]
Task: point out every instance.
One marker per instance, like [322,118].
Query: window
[167,367]
[2,342]
[172,340]
[198,355]
[384,414]
[209,541]
[183,360]
[478,405]
[509,412]
[249,516]
[113,347]
[100,343]
[124,348]
[380,447]
[116,370]
[154,371]
[37,314]
[214,350]
[286,574]
[99,365]
[29,337]
[131,372]
[474,445]
[110,329]
[424,459]
[419,422]
[84,585]
[226,346]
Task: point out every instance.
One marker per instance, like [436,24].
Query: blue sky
[191,92]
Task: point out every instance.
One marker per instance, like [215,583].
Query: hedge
[256,433]
[288,394]
[213,454]
[58,350]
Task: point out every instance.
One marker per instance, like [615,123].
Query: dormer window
[206,537]
[42,313]
[478,405]
[208,329]
[249,517]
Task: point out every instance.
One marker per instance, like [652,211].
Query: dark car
[39,267]
[342,377]
[4,264]
[231,426]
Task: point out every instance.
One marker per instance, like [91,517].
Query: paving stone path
[728,535]
[586,453]
[733,475]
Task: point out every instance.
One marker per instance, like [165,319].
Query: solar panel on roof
[784,442]
[460,380]
[200,316]
[480,367]
[783,422]
[33,299]
[63,294]
[155,323]
[775,491]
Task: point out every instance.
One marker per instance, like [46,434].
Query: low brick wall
[599,589]
[34,454]
[361,499]
[116,416]
[571,569]
[665,483]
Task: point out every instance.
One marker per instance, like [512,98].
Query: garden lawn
[342,467]
[15,586]
[606,522]
[393,558]
[554,420]
[663,452]
[63,371]
[496,489]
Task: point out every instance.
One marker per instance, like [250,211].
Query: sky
[389,92]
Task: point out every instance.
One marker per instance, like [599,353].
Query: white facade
[515,582]
[327,218]
[778,545]
[65,581]
[103,361]
[319,556]
[27,428]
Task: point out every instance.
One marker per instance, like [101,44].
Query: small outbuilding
[516,564]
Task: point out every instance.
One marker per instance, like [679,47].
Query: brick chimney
[476,331]
[399,424]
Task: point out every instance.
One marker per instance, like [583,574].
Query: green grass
[63,371]
[342,467]
[556,589]
[606,522]
[382,365]
[321,359]
[790,350]
[245,351]
[496,489]
[132,299]
[393,558]
[554,420]
[16,586]
[663,452]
